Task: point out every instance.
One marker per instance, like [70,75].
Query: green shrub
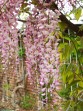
[28,102]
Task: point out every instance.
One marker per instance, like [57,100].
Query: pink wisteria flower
[8,31]
[42,47]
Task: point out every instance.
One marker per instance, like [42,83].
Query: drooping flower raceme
[41,44]
[66,5]
[8,32]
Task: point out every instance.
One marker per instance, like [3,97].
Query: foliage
[21,52]
[6,86]
[71,71]
[77,12]
[28,102]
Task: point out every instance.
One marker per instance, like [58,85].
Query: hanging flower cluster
[58,1]
[8,32]
[66,5]
[41,44]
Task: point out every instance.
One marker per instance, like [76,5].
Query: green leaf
[80,106]
[81,40]
[63,73]
[81,84]
[70,78]
[81,28]
[66,105]
[62,25]
[74,82]
[78,13]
